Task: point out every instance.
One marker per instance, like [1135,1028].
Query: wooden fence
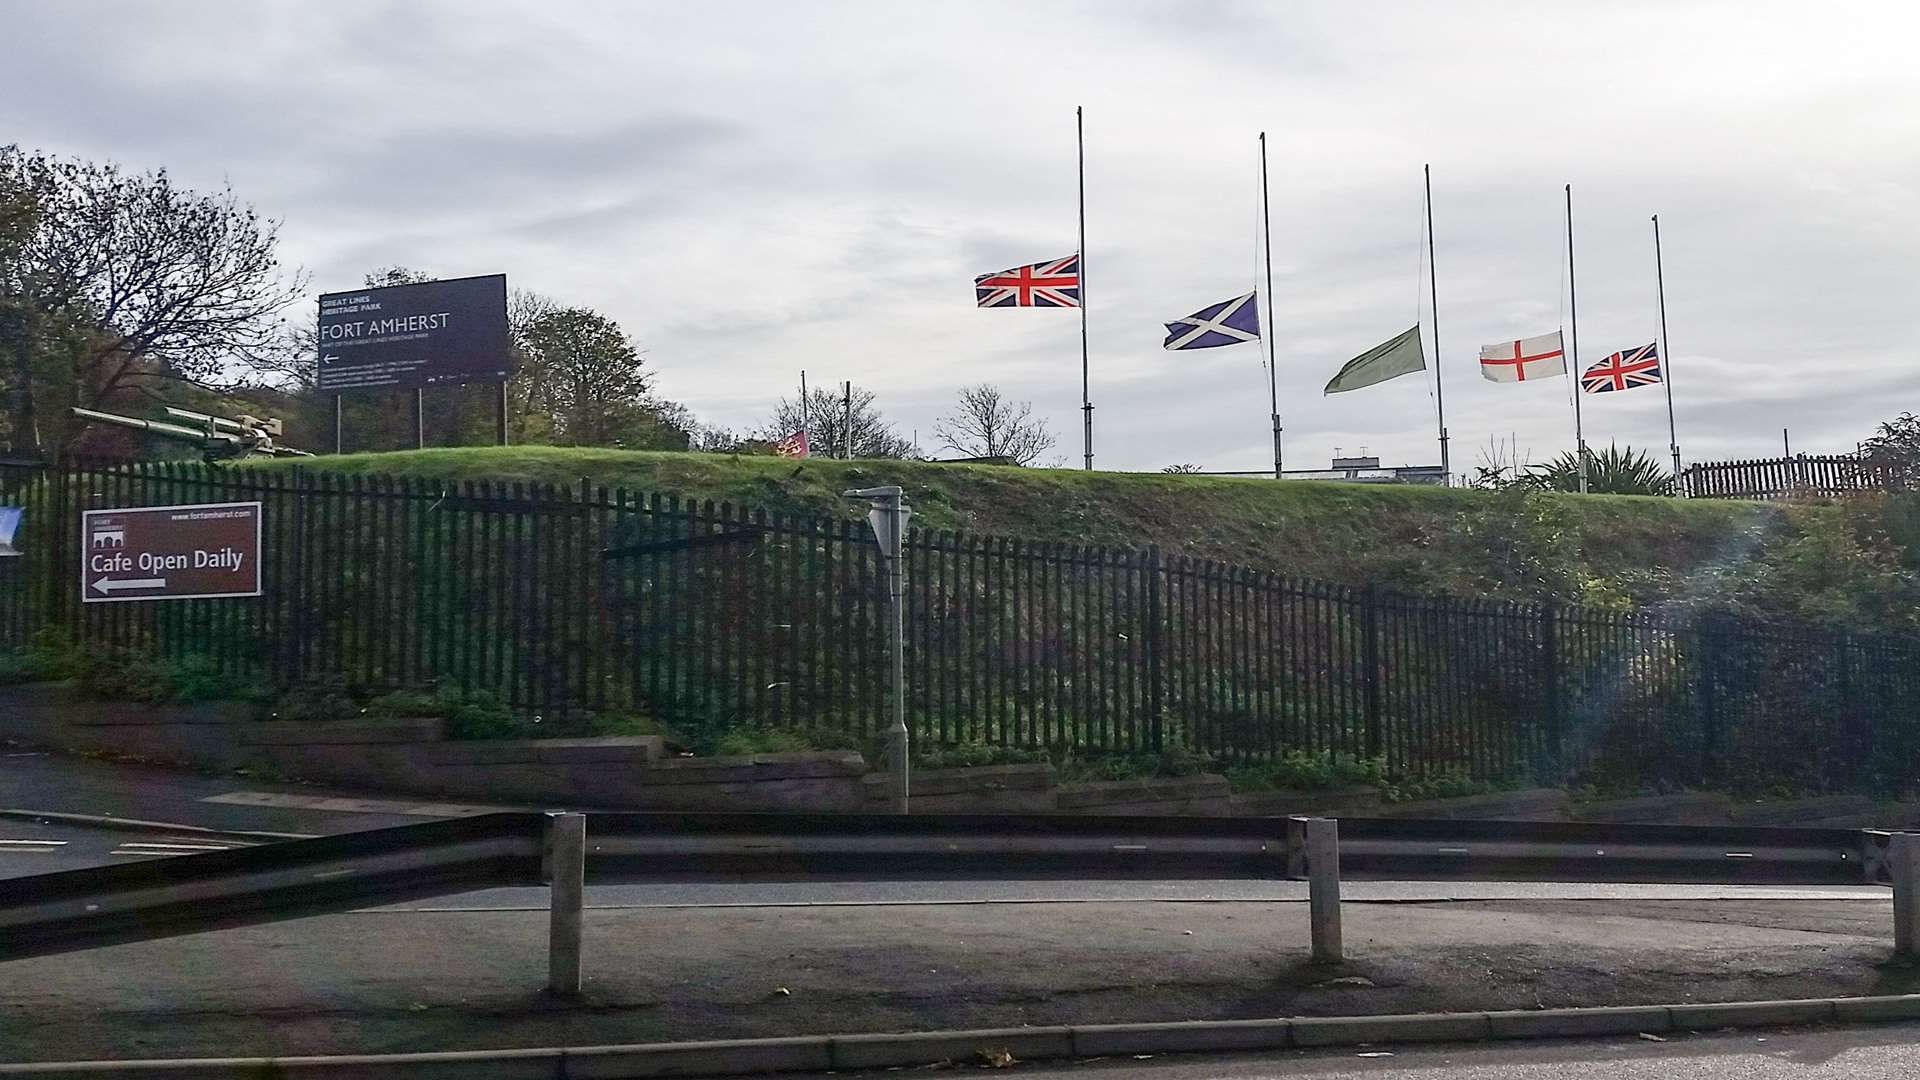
[1789,477]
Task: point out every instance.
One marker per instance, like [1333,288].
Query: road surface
[675,962]
[1865,1053]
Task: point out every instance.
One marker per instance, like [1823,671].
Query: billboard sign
[414,335]
[9,526]
[197,552]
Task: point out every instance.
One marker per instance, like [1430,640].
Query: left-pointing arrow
[109,586]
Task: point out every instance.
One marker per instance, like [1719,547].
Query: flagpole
[1433,283]
[1086,395]
[1666,355]
[1573,311]
[1273,372]
[804,425]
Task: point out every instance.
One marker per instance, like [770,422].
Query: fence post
[1860,740]
[1370,653]
[1903,865]
[1152,635]
[1550,678]
[1323,889]
[566,850]
[1706,699]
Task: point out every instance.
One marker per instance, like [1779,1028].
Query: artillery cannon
[219,438]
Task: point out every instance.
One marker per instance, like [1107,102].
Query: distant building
[1359,470]
[1367,470]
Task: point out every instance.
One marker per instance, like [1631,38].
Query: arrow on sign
[328,359]
[108,586]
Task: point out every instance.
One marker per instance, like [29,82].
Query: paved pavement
[396,980]
[1868,1053]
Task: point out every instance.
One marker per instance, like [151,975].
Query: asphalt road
[1866,1053]
[31,780]
[36,780]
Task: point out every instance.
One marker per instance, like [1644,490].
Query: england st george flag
[1524,360]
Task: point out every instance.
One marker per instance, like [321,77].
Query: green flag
[1399,356]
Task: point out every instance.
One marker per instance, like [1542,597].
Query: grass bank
[1851,564]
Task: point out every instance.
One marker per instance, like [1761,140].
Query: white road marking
[36,842]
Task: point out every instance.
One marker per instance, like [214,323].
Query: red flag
[794,445]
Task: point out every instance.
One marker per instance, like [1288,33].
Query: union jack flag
[1047,284]
[1623,370]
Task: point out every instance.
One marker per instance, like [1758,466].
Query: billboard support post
[419,418]
[500,417]
[336,425]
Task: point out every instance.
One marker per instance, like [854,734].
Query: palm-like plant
[1613,471]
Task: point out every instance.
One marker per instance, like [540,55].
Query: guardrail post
[1903,862]
[567,867]
[1323,889]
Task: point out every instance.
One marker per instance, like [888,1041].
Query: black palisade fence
[711,617]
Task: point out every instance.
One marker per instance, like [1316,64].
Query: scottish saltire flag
[1623,370]
[1228,322]
[1529,358]
[1047,284]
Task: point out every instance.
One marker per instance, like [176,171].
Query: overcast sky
[756,188]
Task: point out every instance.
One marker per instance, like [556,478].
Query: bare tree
[151,281]
[985,424]
[829,431]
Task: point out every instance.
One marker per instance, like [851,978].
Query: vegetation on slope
[1851,563]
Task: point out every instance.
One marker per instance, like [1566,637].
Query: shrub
[1300,770]
[316,702]
[969,755]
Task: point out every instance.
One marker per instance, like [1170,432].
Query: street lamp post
[889,514]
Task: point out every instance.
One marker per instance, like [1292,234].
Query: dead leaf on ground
[994,1059]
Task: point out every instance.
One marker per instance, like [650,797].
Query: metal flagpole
[1666,355]
[846,417]
[806,427]
[1433,284]
[1086,395]
[1573,312]
[1273,372]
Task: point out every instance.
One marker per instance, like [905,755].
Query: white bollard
[1323,889]
[1903,865]
[567,867]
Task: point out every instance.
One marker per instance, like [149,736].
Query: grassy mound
[1849,563]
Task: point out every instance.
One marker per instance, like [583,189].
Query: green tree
[1895,450]
[585,372]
